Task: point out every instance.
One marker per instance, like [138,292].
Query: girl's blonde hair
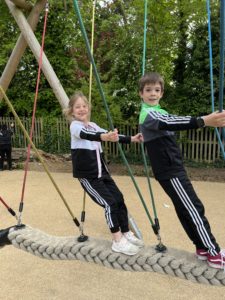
[68,112]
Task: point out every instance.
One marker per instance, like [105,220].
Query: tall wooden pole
[20,47]
[24,4]
[36,49]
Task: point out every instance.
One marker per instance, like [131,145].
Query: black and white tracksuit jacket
[90,168]
[157,127]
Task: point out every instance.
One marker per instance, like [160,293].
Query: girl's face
[152,93]
[81,110]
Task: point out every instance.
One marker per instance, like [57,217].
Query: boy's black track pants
[190,212]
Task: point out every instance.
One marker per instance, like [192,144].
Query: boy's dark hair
[150,78]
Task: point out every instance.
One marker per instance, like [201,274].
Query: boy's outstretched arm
[215,119]
[157,121]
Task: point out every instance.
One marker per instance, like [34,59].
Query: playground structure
[57,88]
[49,73]
[26,238]
[27,38]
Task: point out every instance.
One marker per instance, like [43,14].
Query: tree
[8,32]
[191,93]
[196,85]
[172,47]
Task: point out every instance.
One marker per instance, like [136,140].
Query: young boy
[157,127]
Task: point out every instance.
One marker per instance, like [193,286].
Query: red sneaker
[217,261]
[202,254]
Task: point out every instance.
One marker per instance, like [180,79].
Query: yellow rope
[92,47]
[35,150]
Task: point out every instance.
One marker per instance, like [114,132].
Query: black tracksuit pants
[190,212]
[105,193]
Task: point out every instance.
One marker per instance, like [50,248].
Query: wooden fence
[52,135]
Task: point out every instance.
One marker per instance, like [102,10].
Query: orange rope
[34,111]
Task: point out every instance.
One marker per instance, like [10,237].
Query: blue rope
[210,55]
[222,45]
[211,74]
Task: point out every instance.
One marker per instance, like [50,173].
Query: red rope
[3,202]
[10,210]
[35,104]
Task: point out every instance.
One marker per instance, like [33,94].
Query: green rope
[148,180]
[144,40]
[106,105]
[142,145]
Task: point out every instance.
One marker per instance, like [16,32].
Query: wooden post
[24,4]
[20,47]
[36,49]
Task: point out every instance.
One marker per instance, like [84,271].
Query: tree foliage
[176,42]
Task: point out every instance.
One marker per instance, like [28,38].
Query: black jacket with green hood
[157,127]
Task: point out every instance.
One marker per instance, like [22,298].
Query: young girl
[91,170]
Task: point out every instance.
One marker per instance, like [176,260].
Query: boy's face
[151,93]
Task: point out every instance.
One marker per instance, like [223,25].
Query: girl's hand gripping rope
[111,136]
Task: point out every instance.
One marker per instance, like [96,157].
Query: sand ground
[26,277]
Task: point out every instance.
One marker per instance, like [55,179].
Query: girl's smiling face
[81,110]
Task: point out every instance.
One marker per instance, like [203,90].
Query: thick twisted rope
[174,262]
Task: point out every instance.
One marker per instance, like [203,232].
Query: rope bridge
[174,262]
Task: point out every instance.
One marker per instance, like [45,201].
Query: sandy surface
[26,277]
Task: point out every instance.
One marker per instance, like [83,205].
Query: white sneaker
[125,247]
[133,239]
